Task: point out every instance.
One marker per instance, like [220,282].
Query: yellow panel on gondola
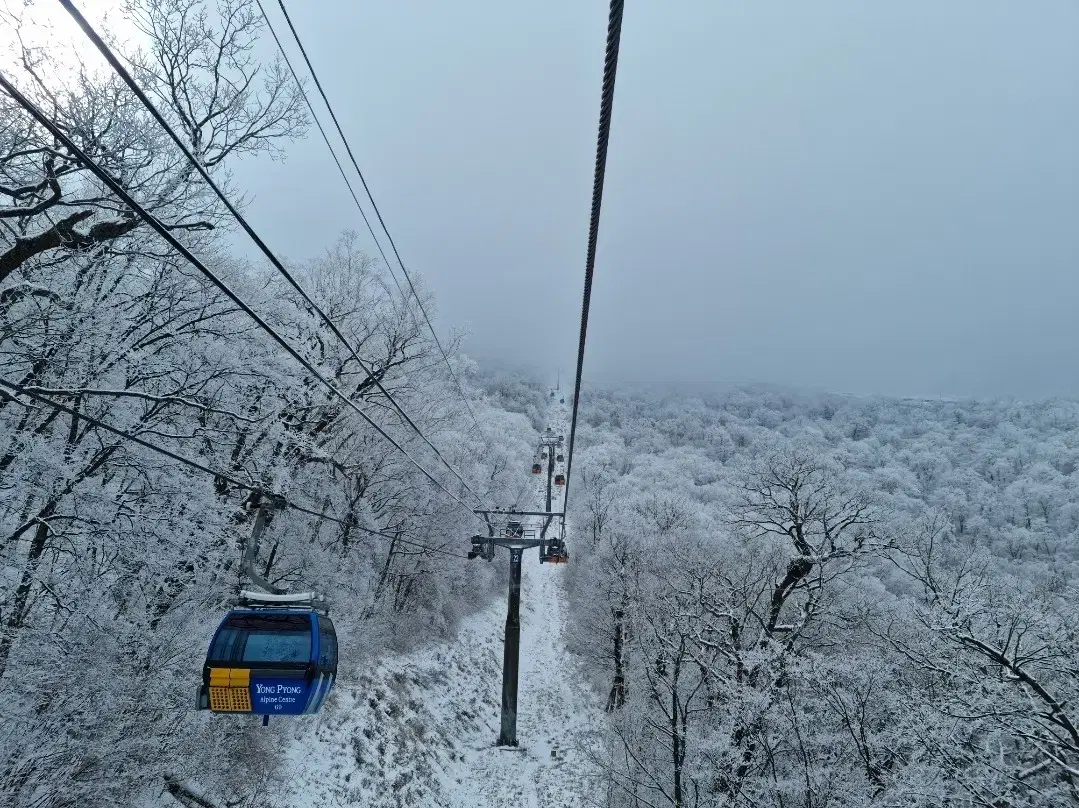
[230,690]
[230,677]
[230,699]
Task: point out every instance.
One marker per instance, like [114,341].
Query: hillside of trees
[808,600]
[115,562]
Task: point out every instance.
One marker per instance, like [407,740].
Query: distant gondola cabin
[556,553]
[536,468]
[560,479]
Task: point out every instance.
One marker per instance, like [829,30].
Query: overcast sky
[855,196]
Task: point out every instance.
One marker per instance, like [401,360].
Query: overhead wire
[606,107]
[61,136]
[333,154]
[367,190]
[401,537]
[112,59]
[19,390]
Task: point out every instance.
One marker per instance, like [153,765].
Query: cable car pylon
[516,537]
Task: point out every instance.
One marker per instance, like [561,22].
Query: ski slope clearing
[420,729]
[555,724]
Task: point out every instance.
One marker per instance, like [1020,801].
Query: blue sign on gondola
[279,696]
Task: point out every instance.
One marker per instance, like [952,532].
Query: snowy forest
[774,598]
[115,561]
[798,600]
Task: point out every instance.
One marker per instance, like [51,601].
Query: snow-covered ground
[420,729]
[555,719]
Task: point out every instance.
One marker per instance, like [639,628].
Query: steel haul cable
[194,464]
[107,52]
[610,70]
[367,190]
[164,232]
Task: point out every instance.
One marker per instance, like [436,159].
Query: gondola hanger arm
[265,510]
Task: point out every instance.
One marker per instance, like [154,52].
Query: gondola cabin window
[264,638]
[327,659]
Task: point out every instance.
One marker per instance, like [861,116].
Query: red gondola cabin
[556,553]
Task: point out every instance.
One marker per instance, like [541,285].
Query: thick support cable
[62,137]
[107,52]
[371,199]
[33,395]
[610,70]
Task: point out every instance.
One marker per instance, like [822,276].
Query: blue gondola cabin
[270,662]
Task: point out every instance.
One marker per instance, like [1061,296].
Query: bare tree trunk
[185,796]
[384,575]
[617,697]
[678,741]
[20,607]
[64,234]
